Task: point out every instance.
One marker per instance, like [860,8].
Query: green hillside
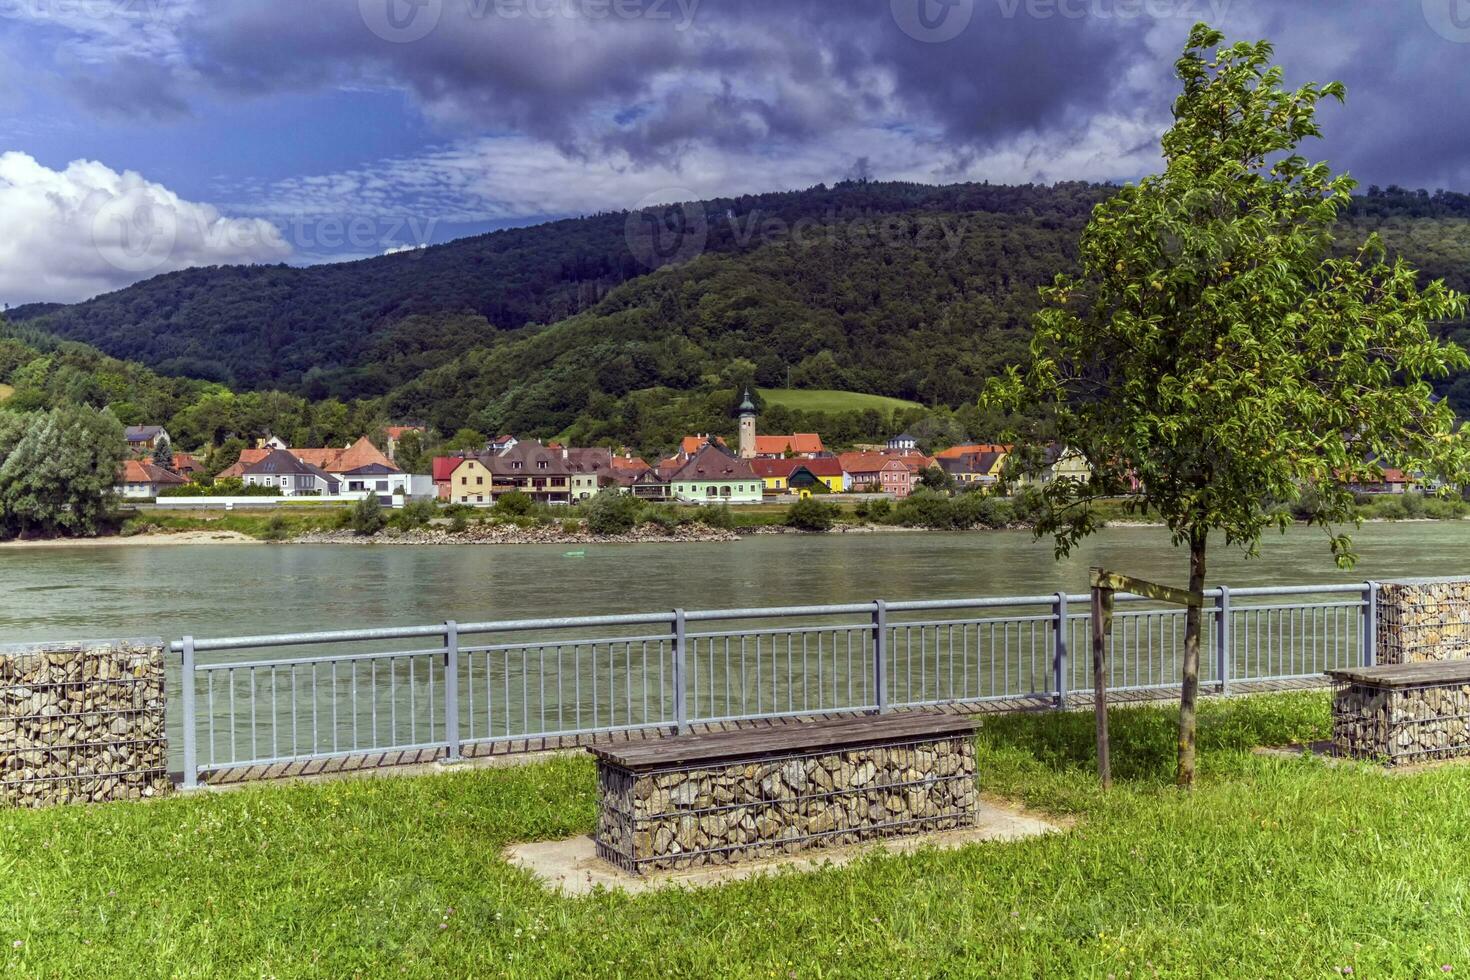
[826,400]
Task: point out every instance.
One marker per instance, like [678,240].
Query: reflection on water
[213,590]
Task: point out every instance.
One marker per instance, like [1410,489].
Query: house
[968,449]
[879,472]
[358,468]
[143,439]
[470,480]
[394,434]
[690,445]
[983,468]
[542,473]
[713,476]
[805,444]
[294,476]
[141,479]
[903,441]
[442,469]
[501,443]
[775,474]
[592,470]
[1057,463]
[187,465]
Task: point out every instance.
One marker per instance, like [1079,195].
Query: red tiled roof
[138,471]
[771,468]
[396,431]
[955,452]
[828,466]
[798,442]
[444,466]
[692,444]
[634,464]
[248,457]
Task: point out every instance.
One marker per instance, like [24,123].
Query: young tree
[1220,350]
[163,454]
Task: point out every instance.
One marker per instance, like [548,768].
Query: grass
[819,400]
[253,522]
[6,391]
[1271,867]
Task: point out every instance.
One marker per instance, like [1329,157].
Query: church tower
[747,427]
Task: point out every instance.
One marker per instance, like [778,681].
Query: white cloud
[70,234]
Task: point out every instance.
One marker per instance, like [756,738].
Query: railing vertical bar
[451,691]
[880,654]
[190,721]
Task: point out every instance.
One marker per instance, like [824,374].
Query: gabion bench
[698,800]
[1398,713]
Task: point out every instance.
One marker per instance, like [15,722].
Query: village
[703,470]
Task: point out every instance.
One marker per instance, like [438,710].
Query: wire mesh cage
[82,722]
[684,816]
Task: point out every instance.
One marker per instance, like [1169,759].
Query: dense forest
[909,290]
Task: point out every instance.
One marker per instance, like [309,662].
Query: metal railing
[451,687]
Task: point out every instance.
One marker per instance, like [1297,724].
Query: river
[213,590]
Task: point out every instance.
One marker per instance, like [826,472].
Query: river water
[214,590]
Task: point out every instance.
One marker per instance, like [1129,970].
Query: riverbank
[152,539]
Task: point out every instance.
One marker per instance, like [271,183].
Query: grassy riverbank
[1272,867]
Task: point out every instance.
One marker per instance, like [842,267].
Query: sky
[142,136]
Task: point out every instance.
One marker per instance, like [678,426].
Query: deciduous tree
[1219,349]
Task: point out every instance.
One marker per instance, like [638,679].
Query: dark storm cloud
[724,74]
[657,78]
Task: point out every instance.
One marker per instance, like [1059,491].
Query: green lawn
[817,400]
[6,391]
[1272,867]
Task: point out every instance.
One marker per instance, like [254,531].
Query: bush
[810,514]
[720,518]
[366,516]
[880,510]
[980,510]
[860,510]
[924,508]
[663,518]
[458,525]
[514,504]
[571,527]
[276,528]
[414,514]
[230,486]
[612,512]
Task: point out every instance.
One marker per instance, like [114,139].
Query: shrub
[276,528]
[612,512]
[880,510]
[860,510]
[458,525]
[720,517]
[414,514]
[924,508]
[514,504]
[366,516]
[663,518]
[810,514]
[571,527]
[980,510]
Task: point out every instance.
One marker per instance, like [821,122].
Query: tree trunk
[1189,692]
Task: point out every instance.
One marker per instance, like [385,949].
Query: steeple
[747,427]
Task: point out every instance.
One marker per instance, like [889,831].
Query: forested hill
[908,290]
[322,330]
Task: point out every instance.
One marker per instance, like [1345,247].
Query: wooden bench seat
[722,797]
[1402,713]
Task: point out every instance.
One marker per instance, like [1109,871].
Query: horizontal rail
[573,676]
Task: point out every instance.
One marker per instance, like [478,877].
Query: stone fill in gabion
[1401,725]
[1423,621]
[692,816]
[82,722]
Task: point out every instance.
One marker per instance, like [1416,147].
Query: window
[479,481]
[464,481]
[541,464]
[382,485]
[515,464]
[724,491]
[709,491]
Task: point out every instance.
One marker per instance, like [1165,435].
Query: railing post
[1059,651]
[1370,623]
[1223,639]
[681,693]
[186,691]
[451,691]
[880,654]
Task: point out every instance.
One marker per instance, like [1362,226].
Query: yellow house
[470,483]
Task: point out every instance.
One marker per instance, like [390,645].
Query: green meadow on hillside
[819,400]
